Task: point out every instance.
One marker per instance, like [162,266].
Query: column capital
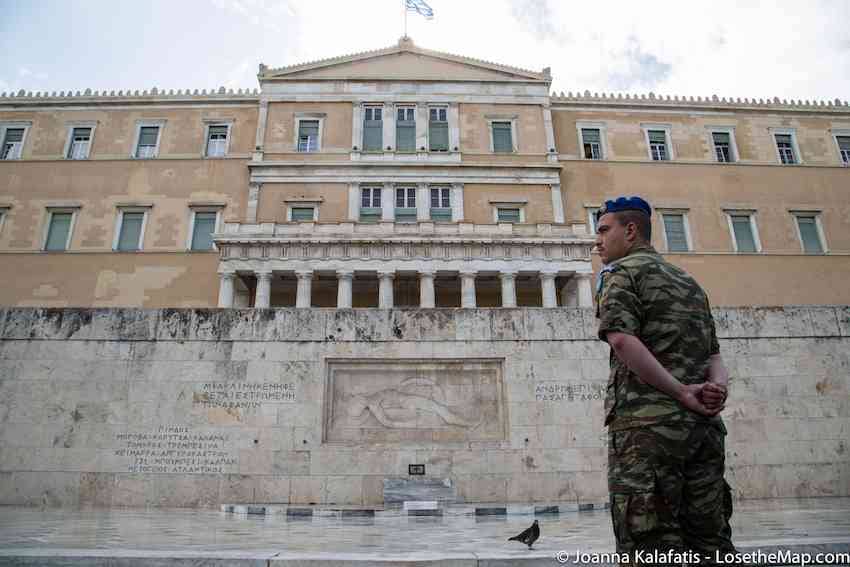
[583,275]
[427,273]
[548,275]
[386,274]
[263,274]
[507,275]
[468,273]
[304,274]
[227,274]
[345,274]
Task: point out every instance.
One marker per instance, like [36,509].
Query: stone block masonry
[199,407]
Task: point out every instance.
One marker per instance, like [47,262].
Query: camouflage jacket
[645,296]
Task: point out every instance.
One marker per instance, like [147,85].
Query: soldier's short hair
[642,221]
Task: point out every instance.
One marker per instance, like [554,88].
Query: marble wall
[196,407]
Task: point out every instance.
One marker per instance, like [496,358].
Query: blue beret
[624,204]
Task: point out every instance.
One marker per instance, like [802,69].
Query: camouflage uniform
[665,462]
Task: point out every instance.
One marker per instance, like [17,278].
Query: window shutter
[743,233]
[590,135]
[502,137]
[148,135]
[508,215]
[674,228]
[657,137]
[14,135]
[302,214]
[373,130]
[57,234]
[202,234]
[131,229]
[809,234]
[405,132]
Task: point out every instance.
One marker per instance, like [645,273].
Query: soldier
[666,388]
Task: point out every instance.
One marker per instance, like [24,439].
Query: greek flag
[420,7]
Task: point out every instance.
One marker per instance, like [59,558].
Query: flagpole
[404,9]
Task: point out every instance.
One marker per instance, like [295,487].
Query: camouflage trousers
[668,493]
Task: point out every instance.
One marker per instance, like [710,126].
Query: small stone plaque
[416,469]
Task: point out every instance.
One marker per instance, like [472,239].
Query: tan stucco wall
[474,127]
[690,133]
[126,279]
[705,190]
[97,186]
[274,197]
[281,128]
[182,135]
[478,209]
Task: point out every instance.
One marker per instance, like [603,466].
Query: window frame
[816,215]
[591,217]
[438,107]
[514,141]
[668,140]
[733,145]
[751,213]
[309,117]
[15,124]
[373,210]
[302,205]
[366,108]
[798,157]
[441,211]
[69,138]
[209,122]
[148,123]
[51,210]
[4,212]
[193,211]
[686,226]
[603,139]
[406,106]
[119,223]
[840,133]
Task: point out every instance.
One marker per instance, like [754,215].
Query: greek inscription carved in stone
[177,449]
[243,395]
[568,391]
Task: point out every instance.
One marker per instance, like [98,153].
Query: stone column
[547,282]
[225,289]
[353,202]
[253,202]
[303,296]
[467,290]
[260,139]
[343,295]
[508,289]
[423,202]
[585,290]
[387,202]
[457,202]
[426,289]
[557,203]
[385,289]
[262,300]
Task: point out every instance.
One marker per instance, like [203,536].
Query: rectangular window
[148,138]
[441,204]
[308,135]
[809,234]
[438,129]
[58,231]
[658,145]
[373,129]
[217,140]
[370,204]
[203,227]
[405,204]
[80,142]
[742,229]
[303,214]
[508,214]
[844,148]
[722,147]
[674,230]
[785,147]
[13,143]
[591,142]
[502,137]
[130,231]
[591,218]
[405,129]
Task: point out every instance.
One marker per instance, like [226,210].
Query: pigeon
[529,536]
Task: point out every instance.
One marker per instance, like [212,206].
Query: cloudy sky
[746,48]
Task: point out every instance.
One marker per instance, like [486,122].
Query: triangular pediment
[403,62]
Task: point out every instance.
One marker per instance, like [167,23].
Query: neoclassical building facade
[406,177]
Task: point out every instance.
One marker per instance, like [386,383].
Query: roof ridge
[189,94]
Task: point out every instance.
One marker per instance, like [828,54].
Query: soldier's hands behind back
[691,395]
[713,396]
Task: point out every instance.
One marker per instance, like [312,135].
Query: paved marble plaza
[193,537]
